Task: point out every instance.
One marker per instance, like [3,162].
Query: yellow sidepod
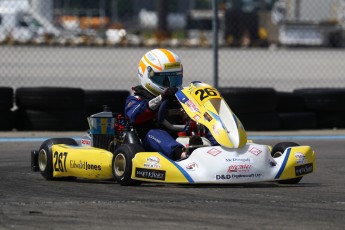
[298,161]
[83,162]
[155,167]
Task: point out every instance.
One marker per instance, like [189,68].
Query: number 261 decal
[206,92]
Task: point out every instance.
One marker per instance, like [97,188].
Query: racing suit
[141,109]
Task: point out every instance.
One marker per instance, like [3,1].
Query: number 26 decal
[206,92]
[60,162]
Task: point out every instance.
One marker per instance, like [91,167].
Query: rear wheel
[45,160]
[277,151]
[122,163]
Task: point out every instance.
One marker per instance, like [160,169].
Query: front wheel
[277,151]
[45,159]
[122,163]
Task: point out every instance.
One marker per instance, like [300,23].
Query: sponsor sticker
[196,117]
[300,158]
[247,160]
[150,174]
[154,138]
[85,142]
[214,152]
[303,169]
[84,165]
[255,151]
[174,65]
[192,106]
[239,168]
[238,176]
[207,116]
[192,166]
[152,162]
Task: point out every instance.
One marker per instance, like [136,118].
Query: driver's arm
[167,94]
[140,111]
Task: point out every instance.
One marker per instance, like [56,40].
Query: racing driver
[160,72]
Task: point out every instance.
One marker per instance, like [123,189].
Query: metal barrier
[283,44]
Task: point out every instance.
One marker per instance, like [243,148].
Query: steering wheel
[162,113]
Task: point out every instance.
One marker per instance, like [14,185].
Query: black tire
[323,99]
[297,121]
[6,98]
[244,100]
[6,121]
[330,120]
[50,98]
[279,149]
[336,40]
[114,99]
[266,121]
[290,102]
[74,120]
[45,161]
[122,163]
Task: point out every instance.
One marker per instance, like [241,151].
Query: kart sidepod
[217,164]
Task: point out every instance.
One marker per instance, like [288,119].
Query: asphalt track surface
[28,201]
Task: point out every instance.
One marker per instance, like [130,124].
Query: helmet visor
[167,79]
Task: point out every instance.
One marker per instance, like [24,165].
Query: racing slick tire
[45,157]
[6,120]
[248,99]
[260,121]
[290,102]
[96,99]
[53,120]
[122,164]
[6,98]
[277,151]
[323,99]
[297,120]
[49,98]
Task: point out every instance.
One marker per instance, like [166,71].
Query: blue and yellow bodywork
[252,163]
[296,162]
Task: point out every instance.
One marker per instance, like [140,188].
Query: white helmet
[160,69]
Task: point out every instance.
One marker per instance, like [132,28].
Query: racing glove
[155,102]
[169,93]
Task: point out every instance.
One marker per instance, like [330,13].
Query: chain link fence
[284,44]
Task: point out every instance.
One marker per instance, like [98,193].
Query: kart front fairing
[217,164]
[205,105]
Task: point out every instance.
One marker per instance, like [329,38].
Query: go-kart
[113,150]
